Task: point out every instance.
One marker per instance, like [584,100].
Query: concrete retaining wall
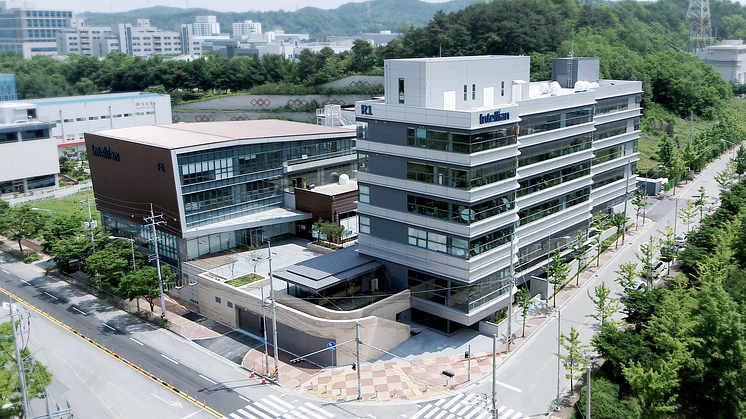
[381,332]
[213,116]
[355,81]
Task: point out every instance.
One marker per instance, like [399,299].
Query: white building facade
[465,169]
[206,26]
[28,31]
[246,28]
[728,59]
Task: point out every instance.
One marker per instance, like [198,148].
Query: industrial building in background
[467,170]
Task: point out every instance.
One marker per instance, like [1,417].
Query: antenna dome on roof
[544,88]
[555,88]
[344,179]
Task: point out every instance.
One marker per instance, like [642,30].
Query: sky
[79,6]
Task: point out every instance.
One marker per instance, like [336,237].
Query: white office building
[246,28]
[728,58]
[206,26]
[142,40]
[29,31]
[86,40]
[466,168]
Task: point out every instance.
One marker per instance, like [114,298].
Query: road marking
[136,341]
[80,311]
[175,362]
[109,326]
[425,409]
[266,409]
[509,387]
[482,416]
[245,413]
[371,416]
[281,402]
[258,412]
[441,414]
[7,272]
[508,413]
[244,399]
[472,413]
[453,400]
[308,412]
[318,409]
[26,282]
[235,416]
[51,295]
[274,406]
[169,402]
[207,379]
[432,412]
[439,402]
[191,414]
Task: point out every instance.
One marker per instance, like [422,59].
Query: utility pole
[588,394]
[274,314]
[559,341]
[510,292]
[19,361]
[91,224]
[357,344]
[153,221]
[494,376]
[264,327]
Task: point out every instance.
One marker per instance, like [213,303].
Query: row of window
[569,146]
[613,129]
[608,154]
[48,13]
[43,33]
[455,294]
[605,106]
[532,124]
[462,143]
[46,23]
[608,180]
[547,180]
[458,178]
[542,210]
[458,247]
[458,212]
[94,118]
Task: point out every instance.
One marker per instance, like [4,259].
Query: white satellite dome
[594,85]
[544,88]
[555,88]
[580,86]
[344,179]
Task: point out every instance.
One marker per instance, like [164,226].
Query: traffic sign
[331,346]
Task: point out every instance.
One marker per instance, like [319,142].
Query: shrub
[605,401]
[31,257]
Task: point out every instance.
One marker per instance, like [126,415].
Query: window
[364,194]
[217,300]
[464,92]
[363,161]
[502,88]
[473,91]
[364,224]
[230,305]
[401,90]
[80,119]
[92,118]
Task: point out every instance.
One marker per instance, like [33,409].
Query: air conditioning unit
[374,284]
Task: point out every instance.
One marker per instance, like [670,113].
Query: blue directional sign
[331,346]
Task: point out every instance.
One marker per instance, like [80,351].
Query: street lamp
[733,155]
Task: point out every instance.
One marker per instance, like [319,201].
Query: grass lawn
[243,280]
[69,205]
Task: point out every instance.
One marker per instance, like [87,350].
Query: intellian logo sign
[105,153]
[494,117]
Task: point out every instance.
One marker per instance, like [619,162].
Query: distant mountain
[348,19]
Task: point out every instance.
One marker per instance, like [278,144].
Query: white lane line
[320,410]
[7,272]
[509,387]
[175,362]
[292,414]
[25,282]
[266,409]
[192,414]
[440,402]
[235,416]
[432,412]
[462,411]
[51,295]
[280,401]
[245,413]
[472,413]
[207,379]
[274,406]
[244,399]
[441,414]
[137,341]
[308,412]
[517,415]
[109,326]
[453,400]
[483,415]
[423,410]
[80,311]
[256,412]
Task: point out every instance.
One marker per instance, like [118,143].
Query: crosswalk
[464,406]
[273,407]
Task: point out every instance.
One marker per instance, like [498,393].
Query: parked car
[680,240]
[655,270]
[669,253]
[635,286]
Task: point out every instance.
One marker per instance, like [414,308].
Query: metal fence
[50,194]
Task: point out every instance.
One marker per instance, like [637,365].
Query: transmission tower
[700,25]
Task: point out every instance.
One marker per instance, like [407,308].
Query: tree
[38,378]
[329,231]
[557,272]
[576,359]
[688,213]
[363,55]
[626,274]
[639,202]
[233,255]
[60,227]
[653,388]
[253,257]
[524,302]
[669,251]
[143,283]
[647,252]
[700,201]
[724,178]
[605,306]
[740,161]
[579,250]
[619,220]
[108,265]
[21,223]
[599,224]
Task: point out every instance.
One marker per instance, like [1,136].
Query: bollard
[252,373]
[376,396]
[425,391]
[264,381]
[299,383]
[324,389]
